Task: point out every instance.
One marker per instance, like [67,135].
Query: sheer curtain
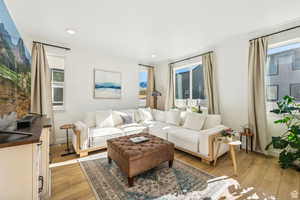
[170,101]
[256,105]
[40,84]
[210,83]
[150,88]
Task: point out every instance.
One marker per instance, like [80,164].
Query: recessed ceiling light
[71,31]
[153,56]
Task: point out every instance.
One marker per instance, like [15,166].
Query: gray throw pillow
[127,119]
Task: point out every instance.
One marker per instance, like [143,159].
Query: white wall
[79,66]
[232,74]
[79,87]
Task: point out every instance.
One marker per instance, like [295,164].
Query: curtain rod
[146,65]
[275,33]
[191,57]
[52,45]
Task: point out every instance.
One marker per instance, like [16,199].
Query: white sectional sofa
[190,132]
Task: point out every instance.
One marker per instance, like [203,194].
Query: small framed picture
[295,91]
[272,92]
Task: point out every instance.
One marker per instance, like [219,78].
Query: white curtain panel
[170,101]
[257,107]
[40,84]
[210,83]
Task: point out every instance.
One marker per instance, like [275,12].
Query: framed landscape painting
[107,84]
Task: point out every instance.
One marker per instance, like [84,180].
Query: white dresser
[24,166]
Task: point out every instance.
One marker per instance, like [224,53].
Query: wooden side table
[249,135]
[231,144]
[67,127]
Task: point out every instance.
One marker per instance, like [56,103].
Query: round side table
[231,143]
[68,150]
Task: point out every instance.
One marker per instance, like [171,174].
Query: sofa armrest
[214,131]
[207,140]
[81,137]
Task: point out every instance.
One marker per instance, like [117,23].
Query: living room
[149,100]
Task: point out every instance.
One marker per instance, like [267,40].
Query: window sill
[58,108]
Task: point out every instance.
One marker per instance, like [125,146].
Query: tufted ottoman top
[132,151]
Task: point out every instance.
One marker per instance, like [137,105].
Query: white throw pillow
[90,119]
[137,116]
[173,117]
[104,119]
[117,119]
[146,114]
[212,121]
[194,121]
[159,115]
[183,116]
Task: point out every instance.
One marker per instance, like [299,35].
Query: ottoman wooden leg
[170,163]
[130,181]
[109,160]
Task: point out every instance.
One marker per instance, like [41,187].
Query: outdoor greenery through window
[189,86]
[282,73]
[143,76]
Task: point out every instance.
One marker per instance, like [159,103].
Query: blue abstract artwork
[107,84]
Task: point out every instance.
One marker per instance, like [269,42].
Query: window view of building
[57,65]
[283,73]
[143,74]
[189,86]
[57,80]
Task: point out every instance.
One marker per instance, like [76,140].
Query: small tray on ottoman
[139,139]
[136,158]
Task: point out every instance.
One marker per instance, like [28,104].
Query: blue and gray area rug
[161,183]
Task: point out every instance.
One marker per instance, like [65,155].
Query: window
[189,86]
[282,73]
[57,82]
[56,65]
[143,76]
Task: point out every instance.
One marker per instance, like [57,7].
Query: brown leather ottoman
[134,159]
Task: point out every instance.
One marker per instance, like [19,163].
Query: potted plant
[227,134]
[289,141]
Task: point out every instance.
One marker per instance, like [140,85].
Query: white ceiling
[136,29]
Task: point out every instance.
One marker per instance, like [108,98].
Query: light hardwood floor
[254,170]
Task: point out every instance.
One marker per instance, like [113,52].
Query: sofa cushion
[99,136]
[159,115]
[133,128]
[173,117]
[159,129]
[184,138]
[194,121]
[146,114]
[90,119]
[103,132]
[212,121]
[104,119]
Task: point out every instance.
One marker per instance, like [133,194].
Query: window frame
[57,84]
[142,101]
[190,66]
